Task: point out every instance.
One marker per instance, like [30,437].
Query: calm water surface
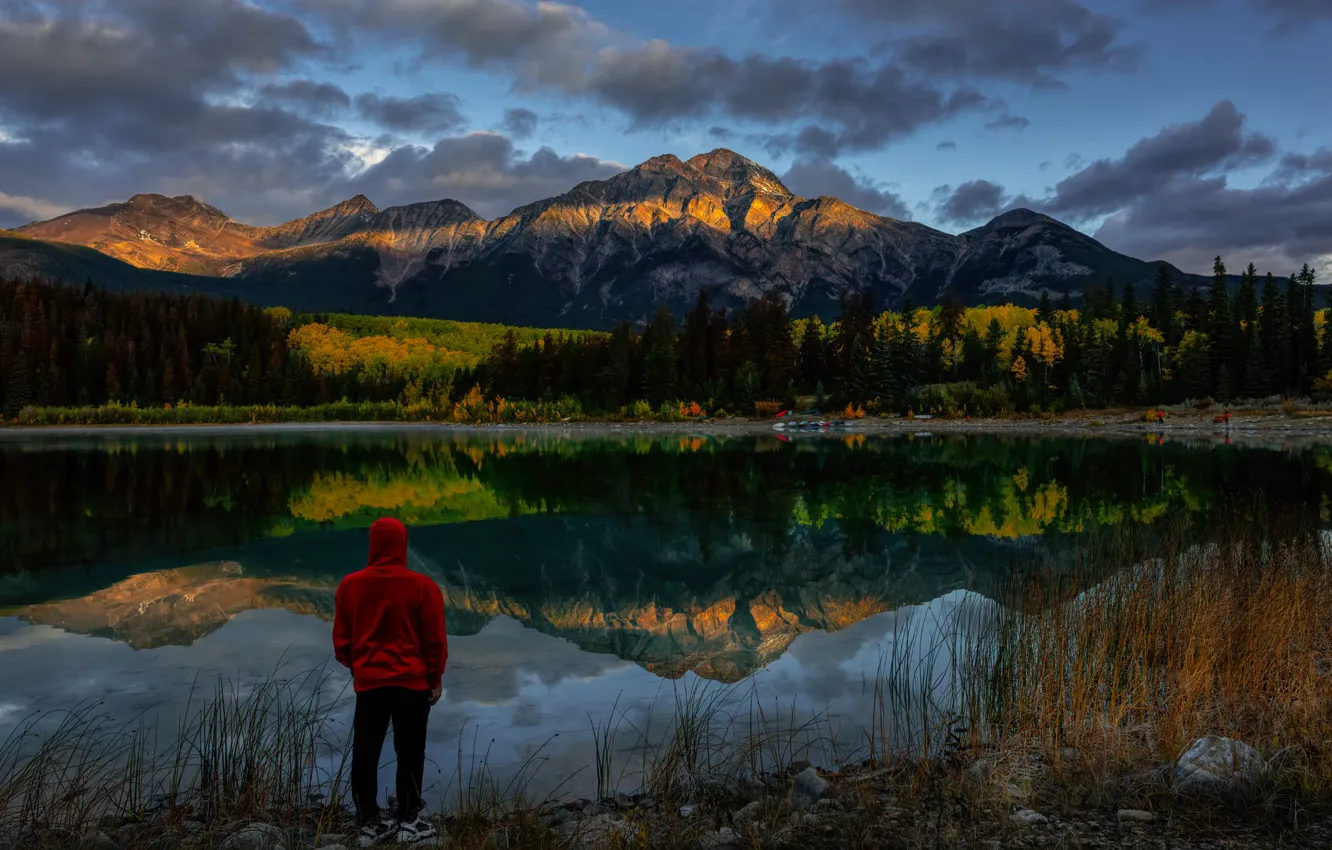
[577,570]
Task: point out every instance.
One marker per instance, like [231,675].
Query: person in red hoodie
[388,629]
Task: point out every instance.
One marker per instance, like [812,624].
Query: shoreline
[1197,426]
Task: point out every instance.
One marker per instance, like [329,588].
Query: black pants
[409,710]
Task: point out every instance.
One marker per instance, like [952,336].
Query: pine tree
[860,381]
[1128,310]
[1044,310]
[812,365]
[1245,329]
[660,359]
[1220,321]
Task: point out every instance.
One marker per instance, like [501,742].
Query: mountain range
[563,576]
[603,252]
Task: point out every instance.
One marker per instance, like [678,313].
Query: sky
[1167,129]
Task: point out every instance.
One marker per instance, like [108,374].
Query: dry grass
[258,752]
[1231,638]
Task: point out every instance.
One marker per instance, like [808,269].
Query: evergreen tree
[1245,329]
[1128,309]
[1044,310]
[1162,314]
[1220,322]
[860,383]
[660,359]
[812,365]
[1274,336]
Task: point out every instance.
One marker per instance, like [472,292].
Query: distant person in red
[1160,416]
[388,629]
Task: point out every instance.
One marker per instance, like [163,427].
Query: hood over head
[388,544]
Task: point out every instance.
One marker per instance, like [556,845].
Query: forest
[202,358]
[153,357]
[1115,348]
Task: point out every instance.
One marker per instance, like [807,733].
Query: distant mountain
[605,251]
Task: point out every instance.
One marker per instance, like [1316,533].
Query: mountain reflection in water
[574,567]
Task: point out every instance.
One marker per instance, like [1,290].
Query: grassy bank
[1056,723]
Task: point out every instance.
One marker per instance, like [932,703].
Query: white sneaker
[417,830]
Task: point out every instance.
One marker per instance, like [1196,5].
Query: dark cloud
[103,99]
[1168,198]
[837,105]
[1009,122]
[972,202]
[720,133]
[1278,226]
[1214,144]
[1028,41]
[1292,14]
[946,146]
[1287,16]
[322,99]
[812,178]
[844,105]
[1297,166]
[434,112]
[520,123]
[1074,161]
[1045,166]
[483,170]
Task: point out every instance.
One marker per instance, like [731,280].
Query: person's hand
[435,694]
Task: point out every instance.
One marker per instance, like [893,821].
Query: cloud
[320,99]
[946,146]
[1288,16]
[813,178]
[970,203]
[1045,166]
[483,170]
[1009,122]
[1168,197]
[1074,161]
[103,99]
[1216,143]
[1293,14]
[1027,41]
[433,112]
[32,209]
[520,123]
[1276,226]
[837,105]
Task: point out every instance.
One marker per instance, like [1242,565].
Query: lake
[586,575]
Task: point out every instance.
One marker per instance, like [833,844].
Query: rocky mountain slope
[604,251]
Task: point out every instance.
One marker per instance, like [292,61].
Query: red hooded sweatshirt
[388,622]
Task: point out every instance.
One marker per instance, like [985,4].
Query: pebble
[98,841]
[1027,817]
[810,787]
[747,814]
[1135,816]
[256,836]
